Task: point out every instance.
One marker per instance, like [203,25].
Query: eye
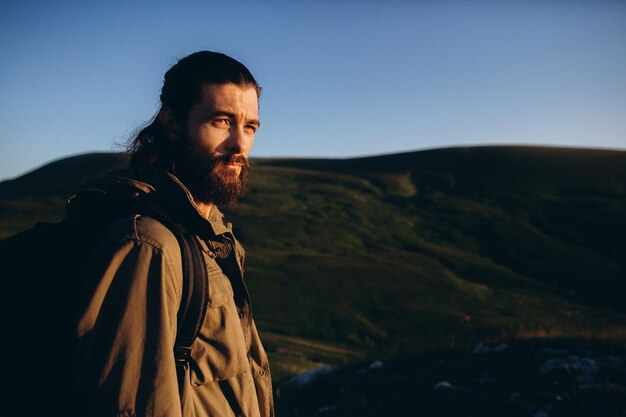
[221,122]
[251,129]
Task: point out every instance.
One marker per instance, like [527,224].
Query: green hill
[399,254]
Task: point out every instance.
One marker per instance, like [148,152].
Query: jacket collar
[171,191]
[159,187]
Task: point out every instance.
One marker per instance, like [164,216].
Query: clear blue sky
[341,78]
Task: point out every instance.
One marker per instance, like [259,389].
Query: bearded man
[191,159]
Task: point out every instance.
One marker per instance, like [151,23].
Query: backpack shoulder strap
[193,304]
[194,298]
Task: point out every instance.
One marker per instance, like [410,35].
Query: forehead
[231,98]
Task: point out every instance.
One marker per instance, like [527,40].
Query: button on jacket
[127,323]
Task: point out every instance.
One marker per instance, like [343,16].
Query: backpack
[40,287]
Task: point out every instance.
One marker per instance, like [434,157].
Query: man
[191,159]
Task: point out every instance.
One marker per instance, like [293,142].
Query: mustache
[211,159]
[231,159]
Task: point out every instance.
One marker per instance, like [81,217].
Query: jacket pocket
[220,289]
[263,385]
[219,351]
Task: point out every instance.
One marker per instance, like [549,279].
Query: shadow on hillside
[537,378]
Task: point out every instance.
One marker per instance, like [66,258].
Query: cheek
[249,147]
[208,139]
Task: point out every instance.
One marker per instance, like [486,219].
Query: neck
[204,208]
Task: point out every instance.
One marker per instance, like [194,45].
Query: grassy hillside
[40,195]
[399,254]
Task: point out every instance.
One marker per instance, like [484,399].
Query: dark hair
[181,90]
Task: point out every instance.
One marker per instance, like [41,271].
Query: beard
[208,178]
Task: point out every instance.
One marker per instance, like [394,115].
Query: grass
[408,253]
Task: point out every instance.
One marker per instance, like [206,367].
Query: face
[213,147]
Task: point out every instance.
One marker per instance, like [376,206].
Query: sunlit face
[216,141]
[224,121]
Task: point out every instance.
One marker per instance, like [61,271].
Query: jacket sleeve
[127,327]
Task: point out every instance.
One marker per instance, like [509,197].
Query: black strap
[195,295]
[194,299]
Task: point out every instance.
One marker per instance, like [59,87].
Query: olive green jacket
[127,325]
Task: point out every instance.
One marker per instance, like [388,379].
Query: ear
[168,123]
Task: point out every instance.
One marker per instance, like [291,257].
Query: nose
[238,142]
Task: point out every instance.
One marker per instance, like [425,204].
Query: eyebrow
[256,122]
